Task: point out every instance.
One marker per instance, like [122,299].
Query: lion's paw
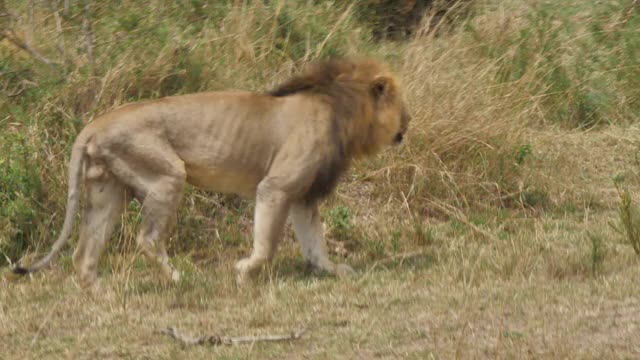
[344,270]
[243,271]
[175,276]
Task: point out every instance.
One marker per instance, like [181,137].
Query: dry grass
[529,292]
[527,289]
[486,235]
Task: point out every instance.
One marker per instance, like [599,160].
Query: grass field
[495,231]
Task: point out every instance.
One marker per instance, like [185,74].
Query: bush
[573,68]
[629,218]
[400,19]
[21,193]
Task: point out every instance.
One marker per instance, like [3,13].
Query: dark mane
[335,164]
[346,86]
[318,78]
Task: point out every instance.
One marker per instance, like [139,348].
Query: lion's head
[368,112]
[391,114]
[369,109]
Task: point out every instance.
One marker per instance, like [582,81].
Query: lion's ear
[381,86]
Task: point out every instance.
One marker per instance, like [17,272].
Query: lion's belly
[243,183]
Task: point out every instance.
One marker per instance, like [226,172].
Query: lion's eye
[398,138]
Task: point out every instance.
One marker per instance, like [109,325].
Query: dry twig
[10,35]
[401,257]
[60,45]
[88,32]
[6,32]
[344,16]
[215,340]
[46,320]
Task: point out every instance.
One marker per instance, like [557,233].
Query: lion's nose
[398,138]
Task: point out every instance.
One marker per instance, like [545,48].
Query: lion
[286,148]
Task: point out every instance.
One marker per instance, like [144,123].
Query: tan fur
[285,148]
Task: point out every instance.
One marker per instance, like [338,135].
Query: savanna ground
[496,230]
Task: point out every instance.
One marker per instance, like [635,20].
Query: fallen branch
[10,35]
[216,340]
[46,320]
[25,85]
[17,93]
[402,257]
[459,215]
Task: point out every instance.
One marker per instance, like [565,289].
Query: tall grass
[474,94]
[629,220]
[479,92]
[578,59]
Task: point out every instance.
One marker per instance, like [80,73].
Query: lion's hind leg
[158,223]
[105,199]
[157,177]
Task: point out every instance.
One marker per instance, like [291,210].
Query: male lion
[287,148]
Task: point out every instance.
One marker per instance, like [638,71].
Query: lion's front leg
[269,219]
[307,225]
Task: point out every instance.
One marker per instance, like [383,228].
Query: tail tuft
[20,270]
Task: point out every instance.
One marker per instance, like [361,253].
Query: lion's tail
[73,200]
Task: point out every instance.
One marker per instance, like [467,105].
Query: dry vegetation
[495,231]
